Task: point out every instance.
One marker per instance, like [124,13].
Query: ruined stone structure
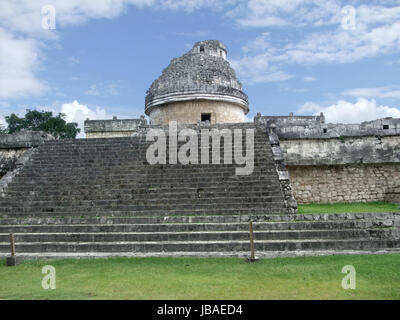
[331,163]
[101,196]
[13,149]
[327,163]
[114,128]
[199,86]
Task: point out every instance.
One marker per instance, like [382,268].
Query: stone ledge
[24,139]
[114,125]
[195,95]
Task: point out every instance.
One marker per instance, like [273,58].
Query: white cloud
[76,112]
[300,13]
[22,37]
[2,122]
[342,46]
[26,15]
[4,104]
[348,112]
[191,5]
[380,92]
[104,90]
[257,69]
[260,44]
[377,33]
[309,79]
[375,14]
[280,13]
[19,58]
[196,34]
[113,89]
[93,91]
[74,60]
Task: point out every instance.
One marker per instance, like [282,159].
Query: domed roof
[201,73]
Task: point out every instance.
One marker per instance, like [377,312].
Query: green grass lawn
[349,207]
[378,277]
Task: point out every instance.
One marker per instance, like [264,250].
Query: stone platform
[101,198]
[202,236]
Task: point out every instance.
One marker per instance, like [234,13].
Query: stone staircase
[218,235]
[100,197]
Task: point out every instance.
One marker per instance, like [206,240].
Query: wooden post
[12,260]
[252,257]
[12,243]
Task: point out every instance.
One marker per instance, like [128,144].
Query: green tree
[43,121]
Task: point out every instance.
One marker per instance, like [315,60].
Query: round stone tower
[199,86]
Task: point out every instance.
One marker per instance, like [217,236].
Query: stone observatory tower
[199,86]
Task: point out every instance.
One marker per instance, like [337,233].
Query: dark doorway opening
[206,117]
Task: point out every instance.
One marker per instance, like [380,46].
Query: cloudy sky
[301,56]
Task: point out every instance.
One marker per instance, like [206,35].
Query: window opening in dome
[206,117]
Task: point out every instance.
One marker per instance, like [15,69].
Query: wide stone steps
[197,178]
[167,187]
[192,227]
[377,219]
[138,170]
[232,247]
[138,141]
[79,195]
[211,235]
[210,207]
[200,178]
[193,236]
[128,151]
[198,235]
[111,177]
[133,202]
[111,195]
[145,212]
[118,238]
[101,197]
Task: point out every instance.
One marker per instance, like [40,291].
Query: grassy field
[378,277]
[349,207]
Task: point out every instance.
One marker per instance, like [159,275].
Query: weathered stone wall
[349,169]
[314,127]
[9,158]
[15,150]
[190,112]
[23,139]
[345,183]
[113,128]
[111,134]
[13,146]
[283,122]
[331,163]
[344,150]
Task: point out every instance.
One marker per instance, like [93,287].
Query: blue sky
[301,56]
